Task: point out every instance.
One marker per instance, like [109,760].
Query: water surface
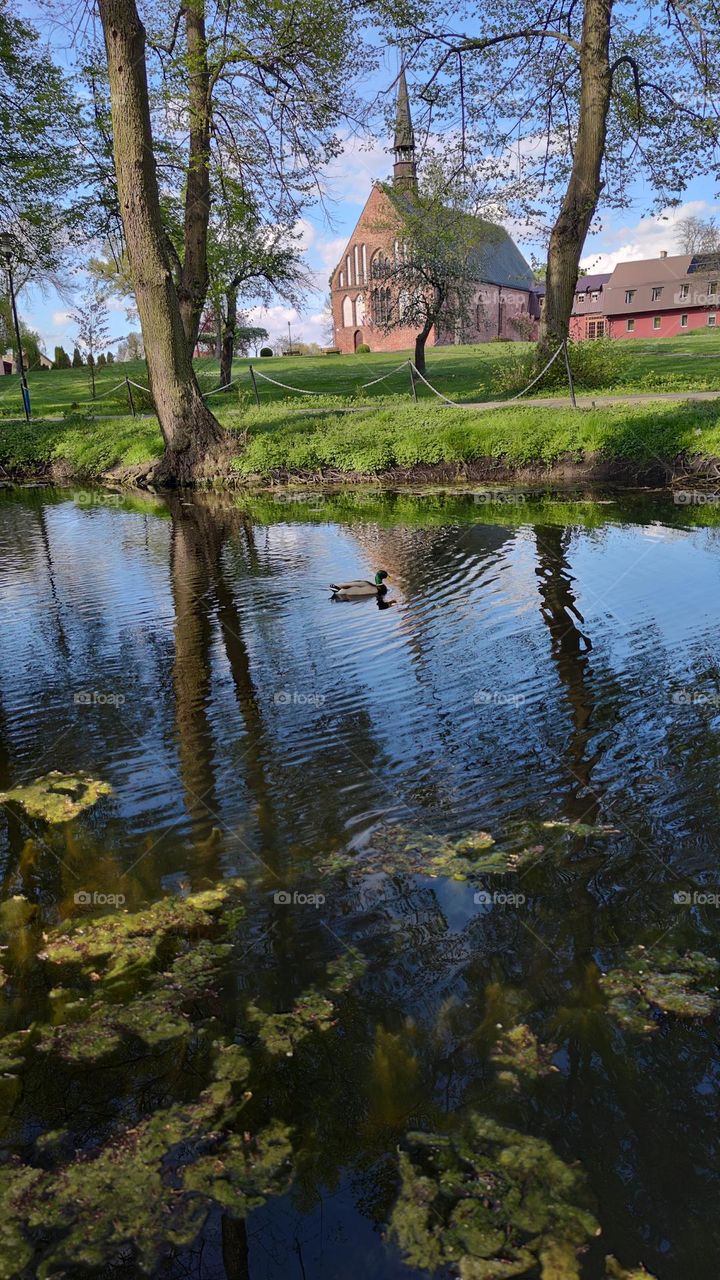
[548,660]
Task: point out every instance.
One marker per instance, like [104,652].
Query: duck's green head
[380,577]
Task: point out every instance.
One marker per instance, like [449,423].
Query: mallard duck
[360,588]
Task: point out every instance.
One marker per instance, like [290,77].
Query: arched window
[359,309]
[347,313]
[381,306]
[381,266]
[342,279]
[403,303]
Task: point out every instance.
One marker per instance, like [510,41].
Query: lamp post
[289,340]
[7,246]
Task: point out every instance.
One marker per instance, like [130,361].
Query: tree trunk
[193,284]
[228,337]
[193,438]
[420,339]
[583,191]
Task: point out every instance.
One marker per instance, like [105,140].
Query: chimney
[663,253]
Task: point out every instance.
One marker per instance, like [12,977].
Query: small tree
[101,360]
[91,319]
[77,360]
[428,280]
[110,358]
[62,359]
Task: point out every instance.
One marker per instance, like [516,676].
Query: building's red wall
[670,326]
[578,329]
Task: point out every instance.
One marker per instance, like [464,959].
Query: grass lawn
[690,362]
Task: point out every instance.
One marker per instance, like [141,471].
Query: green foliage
[266,351]
[57,797]
[62,359]
[661,978]
[77,360]
[490,1202]
[594,365]
[362,349]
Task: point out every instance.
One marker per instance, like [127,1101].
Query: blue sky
[623,236]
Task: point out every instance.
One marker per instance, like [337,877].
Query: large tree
[193,438]
[578,100]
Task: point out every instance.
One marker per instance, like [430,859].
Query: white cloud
[303,328]
[350,175]
[646,239]
[61,318]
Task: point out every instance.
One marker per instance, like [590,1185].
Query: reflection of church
[503,301]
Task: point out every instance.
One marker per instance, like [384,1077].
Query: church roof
[494,258]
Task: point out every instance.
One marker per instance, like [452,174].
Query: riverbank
[648,443]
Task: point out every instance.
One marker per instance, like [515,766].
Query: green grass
[373,441]
[690,362]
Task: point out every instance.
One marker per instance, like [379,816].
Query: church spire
[404,170]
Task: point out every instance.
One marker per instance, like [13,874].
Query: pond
[387,946]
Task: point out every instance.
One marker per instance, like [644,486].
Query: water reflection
[555,662]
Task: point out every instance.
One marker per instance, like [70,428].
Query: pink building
[663,297]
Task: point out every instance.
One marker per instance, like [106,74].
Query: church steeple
[404,169]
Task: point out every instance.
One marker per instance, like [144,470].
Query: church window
[364,263]
[359,309]
[347,312]
[380,266]
[348,268]
[381,305]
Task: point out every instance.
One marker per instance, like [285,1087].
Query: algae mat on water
[57,797]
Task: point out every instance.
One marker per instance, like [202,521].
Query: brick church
[503,303]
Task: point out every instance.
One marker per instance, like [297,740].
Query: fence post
[569,374]
[412,381]
[130,397]
[255,386]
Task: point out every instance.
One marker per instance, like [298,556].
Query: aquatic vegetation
[148,1189]
[280,1033]
[402,850]
[490,1202]
[57,797]
[684,985]
[122,949]
[613,1271]
[399,849]
[522,1055]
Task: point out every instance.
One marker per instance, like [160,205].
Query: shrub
[594,364]
[362,350]
[266,351]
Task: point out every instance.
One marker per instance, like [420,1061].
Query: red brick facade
[496,310]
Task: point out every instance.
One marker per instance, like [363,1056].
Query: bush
[362,350]
[594,364]
[266,351]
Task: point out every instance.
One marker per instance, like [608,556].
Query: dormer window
[657,293]
[581,297]
[594,296]
[629,295]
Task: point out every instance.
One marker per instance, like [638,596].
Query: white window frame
[712,321]
[657,292]
[657,321]
[629,295]
[683,321]
[630,324]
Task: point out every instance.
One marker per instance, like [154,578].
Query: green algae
[122,950]
[522,1056]
[490,1202]
[280,1033]
[661,978]
[57,797]
[402,850]
[613,1271]
[149,1188]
